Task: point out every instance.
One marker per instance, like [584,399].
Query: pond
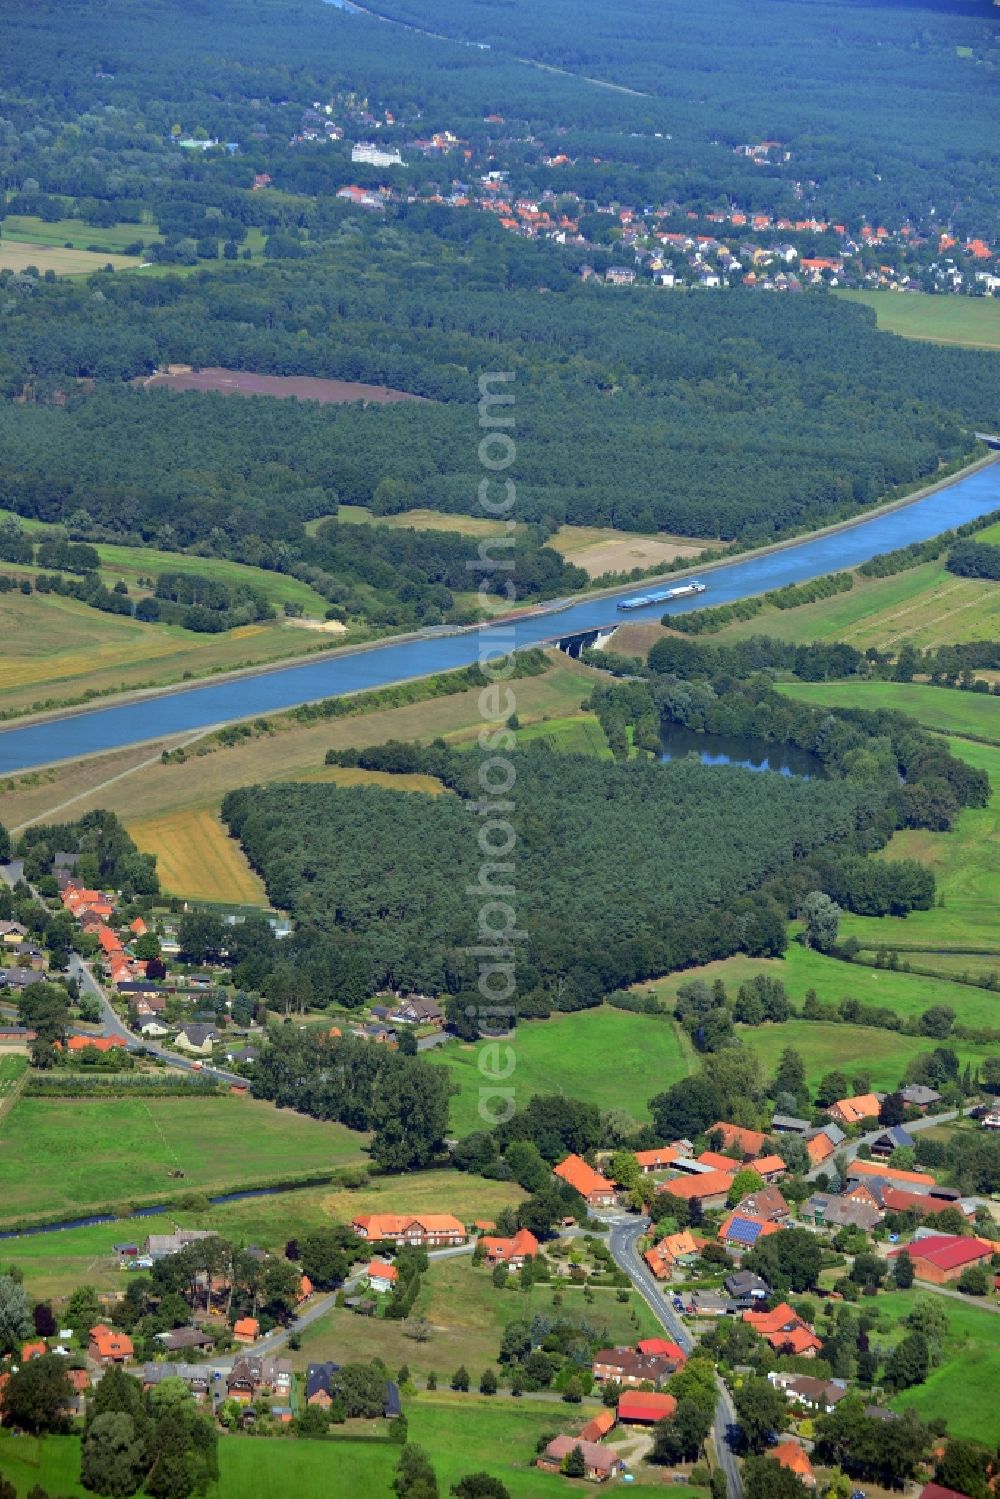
[738,749]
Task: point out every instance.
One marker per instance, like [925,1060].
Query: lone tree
[822,919]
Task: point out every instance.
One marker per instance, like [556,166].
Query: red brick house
[594,1188]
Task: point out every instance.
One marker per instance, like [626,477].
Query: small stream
[91,1220]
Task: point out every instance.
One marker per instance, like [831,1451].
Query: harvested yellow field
[353,775]
[16,255]
[196,859]
[601,549]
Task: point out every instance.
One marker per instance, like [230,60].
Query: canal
[267,691]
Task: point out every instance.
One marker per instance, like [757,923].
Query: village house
[848,1111]
[741,1231]
[768,1204]
[594,1188]
[253,1375]
[246,1330]
[318,1380]
[866,1170]
[746,1289]
[19,978]
[417,1010]
[511,1252]
[770,1168]
[600,1463]
[381,1276]
[791,1455]
[198,1039]
[788,1124]
[197,1377]
[785,1330]
[109,1347]
[822,1143]
[185,1337]
[12,933]
[421,1230]
[895,1138]
[919,1096]
[674,1249]
[822,1395]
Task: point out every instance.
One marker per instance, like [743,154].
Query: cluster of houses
[22,962]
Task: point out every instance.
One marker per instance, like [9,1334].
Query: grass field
[352,775]
[420,519]
[927,606]
[965,864]
[76,233]
[576,734]
[292,751]
[17,255]
[55,1262]
[945,709]
[962,1389]
[467,1315]
[197,859]
[497,1436]
[574,1055]
[883,1055]
[971,321]
[802,969]
[67,1155]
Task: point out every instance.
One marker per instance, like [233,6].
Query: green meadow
[613,1058]
[962,1389]
[826,1047]
[971,321]
[63,1156]
[945,709]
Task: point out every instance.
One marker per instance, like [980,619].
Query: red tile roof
[718,1162]
[584,1178]
[947,1251]
[707,1184]
[750,1141]
[645,1405]
[882,1168]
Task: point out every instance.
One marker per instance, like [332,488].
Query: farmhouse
[750,1142]
[630,1367]
[594,1188]
[656,1160]
[600,1463]
[863,1170]
[840,1212]
[423,1230]
[158,1246]
[710,1188]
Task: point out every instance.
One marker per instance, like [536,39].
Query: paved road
[849,1148]
[113,1025]
[625,1233]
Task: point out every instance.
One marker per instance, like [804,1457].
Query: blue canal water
[353,671]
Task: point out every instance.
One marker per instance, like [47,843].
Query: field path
[109,781]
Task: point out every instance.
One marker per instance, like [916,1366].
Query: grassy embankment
[973,322]
[608,1057]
